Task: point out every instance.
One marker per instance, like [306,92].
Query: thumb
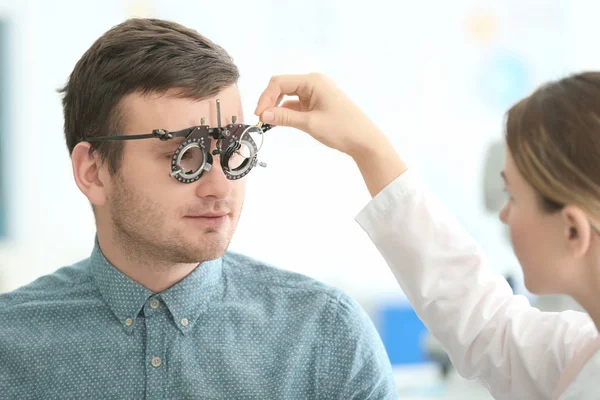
[281,116]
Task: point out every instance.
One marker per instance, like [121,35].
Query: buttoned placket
[156,320]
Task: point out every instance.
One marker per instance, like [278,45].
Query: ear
[89,173]
[578,230]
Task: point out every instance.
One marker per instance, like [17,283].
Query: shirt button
[154,303]
[156,362]
[184,322]
[128,321]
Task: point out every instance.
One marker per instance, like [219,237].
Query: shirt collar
[184,300]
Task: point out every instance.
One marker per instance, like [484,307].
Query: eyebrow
[168,145]
[503,175]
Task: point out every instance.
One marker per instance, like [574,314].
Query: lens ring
[244,168]
[252,133]
[182,176]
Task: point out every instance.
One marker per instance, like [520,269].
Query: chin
[205,243]
[211,248]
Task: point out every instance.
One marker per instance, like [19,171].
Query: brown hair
[554,138]
[138,55]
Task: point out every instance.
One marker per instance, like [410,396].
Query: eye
[185,156]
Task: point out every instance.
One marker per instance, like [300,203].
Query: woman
[552,173]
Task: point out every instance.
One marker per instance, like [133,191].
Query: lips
[208,220]
[208,215]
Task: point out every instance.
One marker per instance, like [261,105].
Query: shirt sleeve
[491,335]
[356,365]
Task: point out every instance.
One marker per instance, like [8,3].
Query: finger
[279,99]
[290,85]
[283,116]
[292,105]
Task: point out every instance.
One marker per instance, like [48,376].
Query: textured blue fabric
[235,328]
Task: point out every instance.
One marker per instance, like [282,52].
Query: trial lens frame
[230,139]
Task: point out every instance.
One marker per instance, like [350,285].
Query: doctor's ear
[578,230]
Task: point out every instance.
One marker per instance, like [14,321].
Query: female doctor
[552,173]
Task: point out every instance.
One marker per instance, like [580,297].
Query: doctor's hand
[327,114]
[321,110]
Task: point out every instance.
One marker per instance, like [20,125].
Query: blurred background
[436,76]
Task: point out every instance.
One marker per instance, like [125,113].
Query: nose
[214,183]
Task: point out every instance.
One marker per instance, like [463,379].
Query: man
[161,309]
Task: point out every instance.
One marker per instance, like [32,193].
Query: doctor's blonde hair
[553,136]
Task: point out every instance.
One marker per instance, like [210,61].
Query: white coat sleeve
[491,335]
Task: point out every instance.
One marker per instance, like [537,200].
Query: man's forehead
[172,111]
[229,109]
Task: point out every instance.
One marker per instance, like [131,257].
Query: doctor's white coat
[491,335]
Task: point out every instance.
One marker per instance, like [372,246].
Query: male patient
[161,309]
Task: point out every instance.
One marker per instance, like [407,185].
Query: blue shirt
[235,328]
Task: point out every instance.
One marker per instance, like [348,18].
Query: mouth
[207,215]
[210,219]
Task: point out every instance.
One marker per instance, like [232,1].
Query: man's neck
[153,275]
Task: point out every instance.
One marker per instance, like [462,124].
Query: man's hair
[144,56]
